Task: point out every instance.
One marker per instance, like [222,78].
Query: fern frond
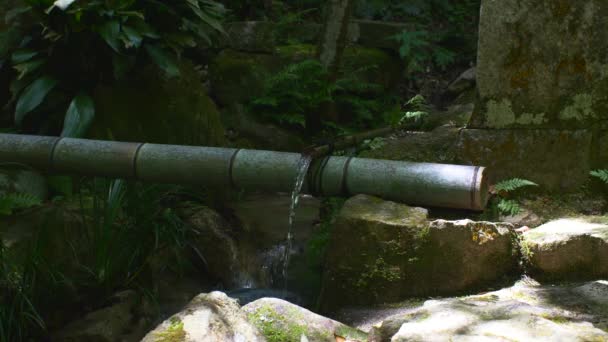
[15,201]
[508,207]
[601,174]
[513,184]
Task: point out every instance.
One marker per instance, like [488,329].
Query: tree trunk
[329,52]
[333,36]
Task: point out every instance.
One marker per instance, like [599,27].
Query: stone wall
[542,63]
[542,81]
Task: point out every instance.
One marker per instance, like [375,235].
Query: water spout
[303,166]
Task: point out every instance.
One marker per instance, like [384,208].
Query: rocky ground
[400,276]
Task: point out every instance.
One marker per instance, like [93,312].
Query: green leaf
[28,67]
[508,207]
[33,96]
[79,117]
[601,174]
[14,201]
[23,55]
[110,32]
[510,185]
[164,60]
[133,36]
[14,13]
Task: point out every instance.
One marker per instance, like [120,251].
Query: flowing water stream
[302,171]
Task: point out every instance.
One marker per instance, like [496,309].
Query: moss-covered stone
[151,108]
[208,317]
[237,77]
[281,321]
[557,77]
[383,251]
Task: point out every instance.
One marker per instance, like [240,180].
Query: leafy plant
[295,91]
[415,110]
[11,202]
[421,49]
[504,189]
[18,315]
[442,31]
[301,88]
[373,144]
[76,45]
[511,185]
[600,174]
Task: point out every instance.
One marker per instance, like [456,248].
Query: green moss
[296,51]
[174,333]
[556,318]
[581,108]
[380,270]
[151,108]
[281,328]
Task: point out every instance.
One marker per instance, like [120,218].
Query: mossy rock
[149,107]
[237,77]
[208,317]
[382,251]
[281,321]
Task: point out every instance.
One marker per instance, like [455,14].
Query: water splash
[302,171]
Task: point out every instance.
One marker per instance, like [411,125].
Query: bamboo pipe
[440,185]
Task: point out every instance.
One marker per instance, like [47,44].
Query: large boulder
[554,77]
[207,318]
[280,320]
[149,107]
[568,249]
[524,312]
[383,251]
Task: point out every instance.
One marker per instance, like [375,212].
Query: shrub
[75,45]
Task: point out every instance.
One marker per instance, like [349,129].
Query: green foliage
[508,207]
[127,225]
[601,175]
[300,89]
[70,47]
[18,315]
[87,254]
[11,202]
[415,111]
[421,48]
[330,208]
[373,144]
[443,31]
[508,188]
[513,184]
[292,93]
